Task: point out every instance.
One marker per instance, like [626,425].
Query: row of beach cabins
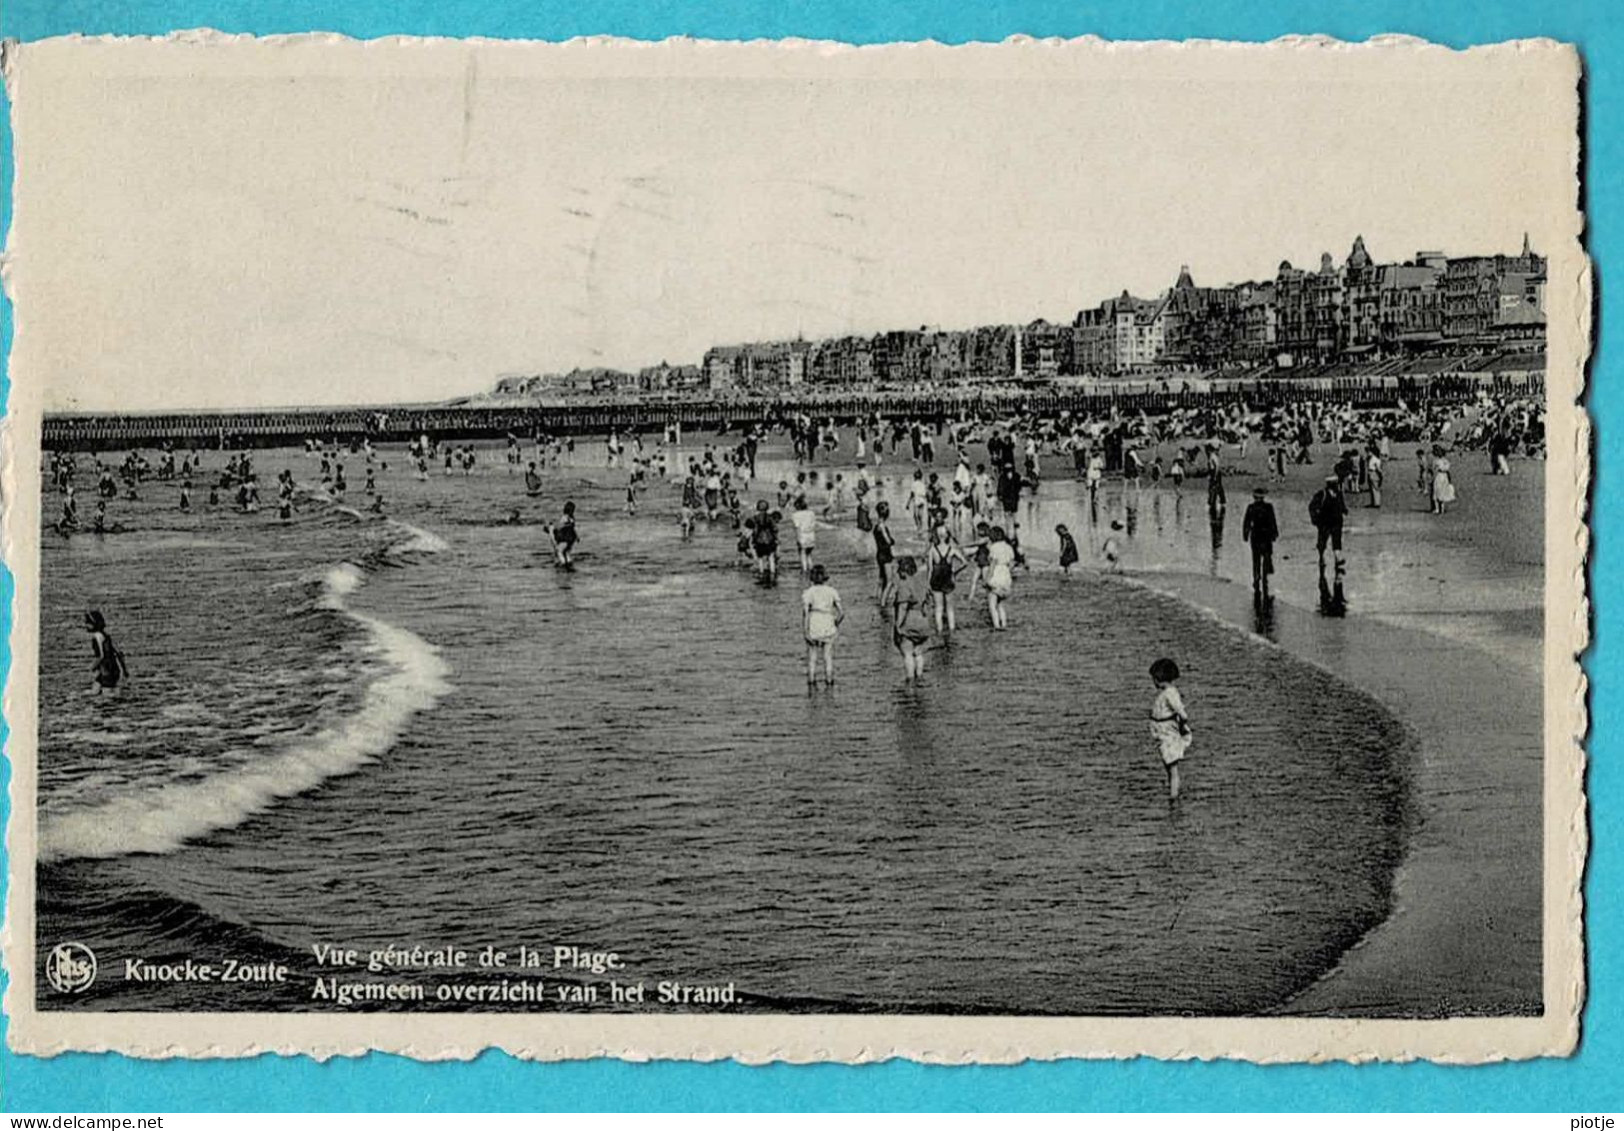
[282,427]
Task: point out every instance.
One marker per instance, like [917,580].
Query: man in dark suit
[1327,510]
[1260,530]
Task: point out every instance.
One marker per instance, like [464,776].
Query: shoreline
[1457,940]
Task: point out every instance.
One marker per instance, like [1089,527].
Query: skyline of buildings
[1301,318]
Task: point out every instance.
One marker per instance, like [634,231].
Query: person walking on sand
[1169,722]
[1500,453]
[910,623]
[1260,529]
[1373,476]
[821,614]
[1443,482]
[1327,510]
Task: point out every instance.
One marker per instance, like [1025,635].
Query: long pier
[382,423]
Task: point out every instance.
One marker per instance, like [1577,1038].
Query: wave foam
[164,818]
[421,541]
[340,582]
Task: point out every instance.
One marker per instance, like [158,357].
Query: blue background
[1590,1081]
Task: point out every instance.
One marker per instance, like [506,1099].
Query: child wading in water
[1169,724]
[564,537]
[821,615]
[1068,548]
[1111,550]
[910,619]
[1000,561]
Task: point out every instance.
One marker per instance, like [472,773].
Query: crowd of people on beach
[956,488]
[964,518]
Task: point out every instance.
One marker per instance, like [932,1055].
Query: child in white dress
[1169,724]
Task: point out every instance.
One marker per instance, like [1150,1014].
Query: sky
[261,223]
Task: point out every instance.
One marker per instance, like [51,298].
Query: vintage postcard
[792,551]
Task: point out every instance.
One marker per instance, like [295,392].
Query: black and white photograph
[790,550]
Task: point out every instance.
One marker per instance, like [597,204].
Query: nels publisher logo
[70,968]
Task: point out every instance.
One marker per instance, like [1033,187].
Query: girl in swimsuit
[821,615]
[109,667]
[883,552]
[564,537]
[910,623]
[957,504]
[944,551]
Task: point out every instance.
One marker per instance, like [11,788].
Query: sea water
[416,730]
